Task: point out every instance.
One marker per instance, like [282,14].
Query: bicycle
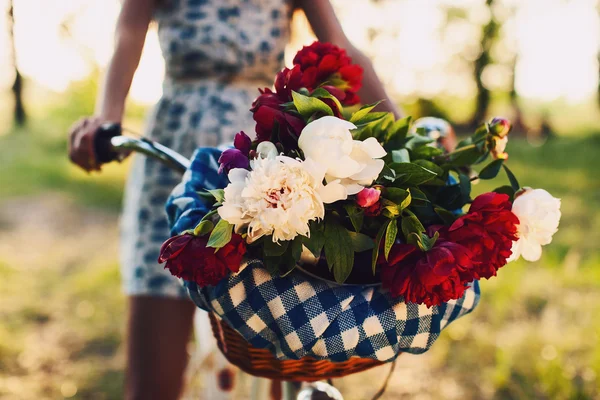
[111,145]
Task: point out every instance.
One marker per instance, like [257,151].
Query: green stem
[465,148]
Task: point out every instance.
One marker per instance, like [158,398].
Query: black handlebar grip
[102,147]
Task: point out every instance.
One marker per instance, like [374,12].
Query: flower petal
[333,192]
[372,147]
[237,175]
[173,247]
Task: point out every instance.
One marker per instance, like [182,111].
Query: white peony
[349,164]
[539,215]
[278,197]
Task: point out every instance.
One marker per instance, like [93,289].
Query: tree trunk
[20,116]
[518,124]
[488,38]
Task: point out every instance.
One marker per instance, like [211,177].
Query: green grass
[34,163]
[534,334]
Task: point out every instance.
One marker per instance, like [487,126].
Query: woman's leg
[158,334]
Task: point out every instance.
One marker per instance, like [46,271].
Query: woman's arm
[130,35]
[327,28]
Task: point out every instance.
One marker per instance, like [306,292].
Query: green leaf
[387,173]
[439,171]
[491,170]
[356,215]
[396,195]
[465,158]
[338,249]
[362,132]
[411,224]
[426,243]
[390,237]
[511,177]
[317,238]
[426,152]
[415,239]
[505,190]
[221,234]
[370,117]
[406,202]
[450,197]
[464,143]
[307,106]
[400,156]
[480,134]
[418,140]
[296,248]
[445,215]
[418,195]
[378,238]
[364,110]
[324,94]
[203,228]
[271,264]
[361,242]
[412,174]
[273,249]
[218,194]
[206,195]
[397,133]
[465,186]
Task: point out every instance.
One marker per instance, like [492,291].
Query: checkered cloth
[297,315]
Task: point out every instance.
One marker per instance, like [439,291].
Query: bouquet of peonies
[360,197]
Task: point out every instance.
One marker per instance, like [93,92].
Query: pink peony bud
[368,197]
[500,126]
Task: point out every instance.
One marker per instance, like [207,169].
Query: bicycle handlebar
[109,145]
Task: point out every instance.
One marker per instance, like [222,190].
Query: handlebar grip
[102,146]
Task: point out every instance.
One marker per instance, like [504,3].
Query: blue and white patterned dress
[217,54]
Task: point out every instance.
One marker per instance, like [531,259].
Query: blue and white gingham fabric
[297,315]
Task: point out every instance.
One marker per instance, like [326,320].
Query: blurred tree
[517,120]
[489,36]
[598,93]
[20,117]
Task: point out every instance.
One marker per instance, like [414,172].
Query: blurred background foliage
[535,333]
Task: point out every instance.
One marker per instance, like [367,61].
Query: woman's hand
[81,143]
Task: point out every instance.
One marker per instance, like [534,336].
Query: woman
[217,54]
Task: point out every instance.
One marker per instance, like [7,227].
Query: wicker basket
[260,362]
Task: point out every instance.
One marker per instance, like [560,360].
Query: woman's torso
[217,53]
[228,40]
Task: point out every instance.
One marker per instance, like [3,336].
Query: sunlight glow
[416,51]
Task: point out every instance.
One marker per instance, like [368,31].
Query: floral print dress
[217,54]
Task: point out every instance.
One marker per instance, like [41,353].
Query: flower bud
[232,158]
[500,126]
[267,150]
[368,197]
[242,142]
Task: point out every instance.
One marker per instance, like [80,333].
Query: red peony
[286,81]
[188,257]
[488,231]
[268,112]
[432,277]
[326,65]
